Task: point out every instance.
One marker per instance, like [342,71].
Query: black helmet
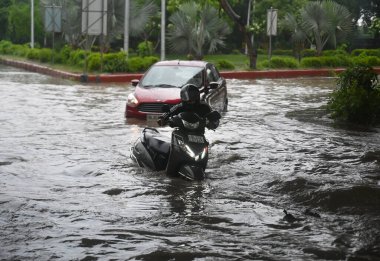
[190,94]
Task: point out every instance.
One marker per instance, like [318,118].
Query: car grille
[152,107]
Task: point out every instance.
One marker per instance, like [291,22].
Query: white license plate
[196,138]
[152,117]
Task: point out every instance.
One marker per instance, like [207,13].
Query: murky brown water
[69,191]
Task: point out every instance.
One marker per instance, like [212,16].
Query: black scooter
[186,154]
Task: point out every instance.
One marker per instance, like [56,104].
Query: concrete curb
[125,78]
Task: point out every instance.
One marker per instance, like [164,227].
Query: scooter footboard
[192,172]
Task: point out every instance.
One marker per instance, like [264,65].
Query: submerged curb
[125,78]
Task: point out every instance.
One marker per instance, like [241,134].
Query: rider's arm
[163,119]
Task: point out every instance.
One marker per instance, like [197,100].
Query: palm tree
[195,29]
[319,23]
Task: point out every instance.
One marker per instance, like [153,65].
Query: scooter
[185,154]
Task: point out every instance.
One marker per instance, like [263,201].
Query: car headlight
[196,156]
[132,101]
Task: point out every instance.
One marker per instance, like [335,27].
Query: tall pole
[163,18]
[248,22]
[32,24]
[126,26]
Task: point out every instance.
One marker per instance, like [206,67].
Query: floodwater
[69,191]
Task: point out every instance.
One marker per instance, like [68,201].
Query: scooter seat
[157,142]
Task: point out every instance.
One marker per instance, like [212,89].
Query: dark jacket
[201,109]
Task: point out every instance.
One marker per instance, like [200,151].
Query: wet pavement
[69,191]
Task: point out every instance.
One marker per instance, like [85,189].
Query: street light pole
[32,24]
[126,26]
[163,18]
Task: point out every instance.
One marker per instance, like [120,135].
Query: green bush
[20,50]
[309,53]
[326,61]
[149,61]
[64,54]
[367,52]
[5,47]
[225,65]
[145,48]
[334,52]
[362,59]
[77,57]
[115,62]
[314,62]
[283,52]
[136,64]
[33,54]
[45,55]
[94,62]
[280,62]
[357,97]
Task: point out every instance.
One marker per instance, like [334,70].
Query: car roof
[182,63]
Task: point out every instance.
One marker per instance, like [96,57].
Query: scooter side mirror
[165,108]
[135,82]
[214,116]
[213,85]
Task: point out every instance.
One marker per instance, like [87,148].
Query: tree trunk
[252,54]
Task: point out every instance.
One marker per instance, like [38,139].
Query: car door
[217,98]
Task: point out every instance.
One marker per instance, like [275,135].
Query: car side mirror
[165,108]
[213,85]
[135,82]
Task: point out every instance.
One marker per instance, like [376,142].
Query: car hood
[164,95]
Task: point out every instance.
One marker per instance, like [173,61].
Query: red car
[162,83]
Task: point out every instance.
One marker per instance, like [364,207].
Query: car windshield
[172,76]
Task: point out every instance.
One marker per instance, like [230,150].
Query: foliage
[94,62]
[375,26]
[224,64]
[45,55]
[139,64]
[357,97]
[145,48]
[4,13]
[77,57]
[326,61]
[280,62]
[33,54]
[369,52]
[115,62]
[195,29]
[282,52]
[6,47]
[308,53]
[18,30]
[318,23]
[366,60]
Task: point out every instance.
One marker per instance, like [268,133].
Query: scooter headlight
[196,156]
[132,100]
[189,125]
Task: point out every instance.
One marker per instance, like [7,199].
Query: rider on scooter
[190,102]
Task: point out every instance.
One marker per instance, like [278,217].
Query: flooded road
[68,190]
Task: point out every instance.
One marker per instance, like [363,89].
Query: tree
[319,23]
[19,22]
[237,19]
[196,28]
[4,13]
